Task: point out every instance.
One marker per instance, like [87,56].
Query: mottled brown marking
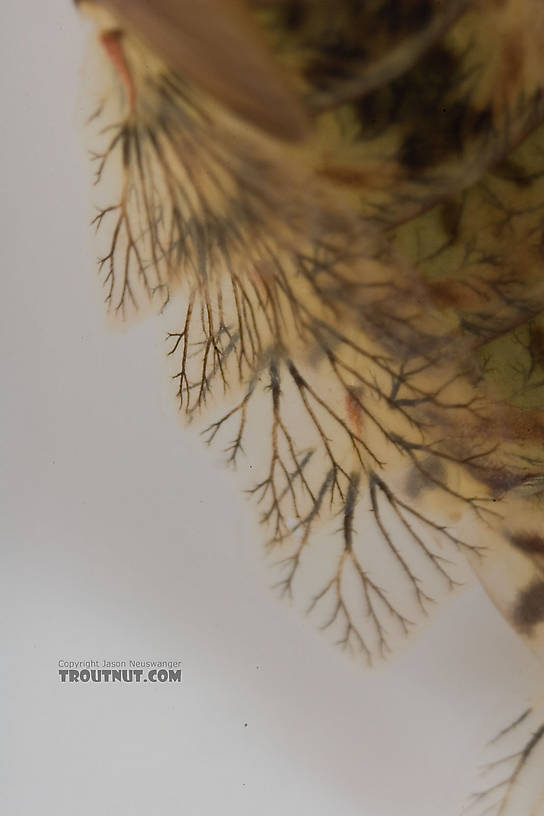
[335,61]
[519,425]
[338,52]
[529,611]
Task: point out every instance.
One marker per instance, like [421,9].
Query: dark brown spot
[294,14]
[336,60]
[376,110]
[530,543]
[513,59]
[404,18]
[451,210]
[500,480]
[454,126]
[510,171]
[432,471]
[530,607]
[536,344]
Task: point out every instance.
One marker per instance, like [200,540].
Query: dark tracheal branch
[513,779]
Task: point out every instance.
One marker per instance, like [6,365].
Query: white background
[121,537]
